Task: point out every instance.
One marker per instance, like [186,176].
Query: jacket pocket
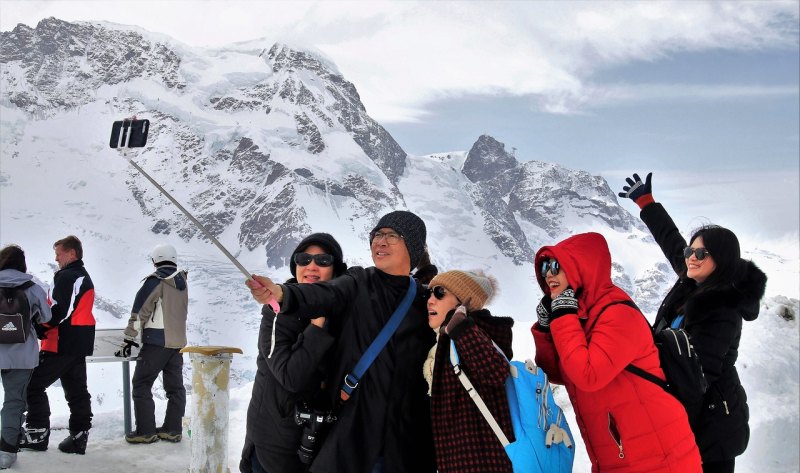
[615,436]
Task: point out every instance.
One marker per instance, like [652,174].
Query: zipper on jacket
[612,429]
[724,402]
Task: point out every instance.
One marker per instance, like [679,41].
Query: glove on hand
[458,323]
[125,348]
[564,304]
[639,192]
[543,312]
[41,331]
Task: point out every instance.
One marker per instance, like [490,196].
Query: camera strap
[351,379]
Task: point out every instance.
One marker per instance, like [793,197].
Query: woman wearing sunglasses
[291,351]
[463,439]
[716,290]
[585,336]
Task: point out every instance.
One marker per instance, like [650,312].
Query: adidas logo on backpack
[9,327]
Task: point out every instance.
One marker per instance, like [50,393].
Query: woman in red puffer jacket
[628,424]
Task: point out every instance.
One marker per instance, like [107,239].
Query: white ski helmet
[164,252]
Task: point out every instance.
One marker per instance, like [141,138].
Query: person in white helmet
[158,317]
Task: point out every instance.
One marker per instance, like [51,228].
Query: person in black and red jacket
[66,342]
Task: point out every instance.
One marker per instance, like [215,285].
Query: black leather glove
[564,304]
[125,348]
[639,192]
[41,331]
[543,313]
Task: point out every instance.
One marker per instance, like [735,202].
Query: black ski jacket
[388,414]
[71,330]
[713,319]
[289,366]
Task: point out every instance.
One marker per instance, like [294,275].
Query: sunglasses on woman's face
[436,291]
[550,265]
[699,253]
[323,260]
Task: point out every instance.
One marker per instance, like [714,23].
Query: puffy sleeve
[666,234]
[483,363]
[616,340]
[546,355]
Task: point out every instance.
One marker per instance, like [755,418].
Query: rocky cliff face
[263,144]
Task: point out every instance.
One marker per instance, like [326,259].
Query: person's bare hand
[319,322]
[263,289]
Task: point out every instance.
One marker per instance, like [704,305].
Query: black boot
[75,443]
[35,438]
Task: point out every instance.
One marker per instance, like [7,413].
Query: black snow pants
[71,370]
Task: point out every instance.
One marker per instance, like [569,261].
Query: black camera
[313,422]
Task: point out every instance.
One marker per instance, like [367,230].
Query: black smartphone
[129,133]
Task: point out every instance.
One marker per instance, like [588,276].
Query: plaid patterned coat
[464,441]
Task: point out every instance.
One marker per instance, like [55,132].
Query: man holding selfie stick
[159,317]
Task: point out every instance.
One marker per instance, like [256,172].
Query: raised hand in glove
[639,192]
[458,322]
[543,313]
[564,304]
[125,348]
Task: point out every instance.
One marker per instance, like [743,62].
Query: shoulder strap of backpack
[631,368]
[476,398]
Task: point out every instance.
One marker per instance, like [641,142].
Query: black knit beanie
[329,244]
[410,227]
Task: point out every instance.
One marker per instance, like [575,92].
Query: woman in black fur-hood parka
[716,291]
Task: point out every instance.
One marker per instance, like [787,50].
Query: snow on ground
[775,427]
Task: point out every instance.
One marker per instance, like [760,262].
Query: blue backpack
[543,441]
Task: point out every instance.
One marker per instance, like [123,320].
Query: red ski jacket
[628,424]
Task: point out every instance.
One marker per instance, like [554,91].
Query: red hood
[587,263]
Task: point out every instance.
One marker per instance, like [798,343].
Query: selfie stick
[194,220]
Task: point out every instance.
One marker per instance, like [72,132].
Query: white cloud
[404,55]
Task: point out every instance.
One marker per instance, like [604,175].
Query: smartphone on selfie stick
[132,133]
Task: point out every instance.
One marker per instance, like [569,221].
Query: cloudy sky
[704,94]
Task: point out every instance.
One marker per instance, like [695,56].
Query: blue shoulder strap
[351,379]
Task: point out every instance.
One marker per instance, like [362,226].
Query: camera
[313,422]
[129,133]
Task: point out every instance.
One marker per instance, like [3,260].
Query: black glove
[564,304]
[543,313]
[459,322]
[125,348]
[639,192]
[41,331]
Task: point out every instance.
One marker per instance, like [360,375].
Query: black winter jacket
[388,414]
[71,330]
[713,319]
[288,371]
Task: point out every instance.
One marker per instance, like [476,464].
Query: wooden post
[209,422]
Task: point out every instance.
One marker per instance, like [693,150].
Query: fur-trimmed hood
[744,295]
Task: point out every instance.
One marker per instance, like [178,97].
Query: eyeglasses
[391,238]
[550,265]
[438,292]
[323,260]
[699,253]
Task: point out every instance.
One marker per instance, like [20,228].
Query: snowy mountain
[265,144]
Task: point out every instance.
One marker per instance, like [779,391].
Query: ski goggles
[323,260]
[550,265]
[699,253]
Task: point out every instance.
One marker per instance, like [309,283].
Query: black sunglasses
[437,292]
[323,260]
[699,253]
[550,265]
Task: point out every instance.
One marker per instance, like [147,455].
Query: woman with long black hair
[716,290]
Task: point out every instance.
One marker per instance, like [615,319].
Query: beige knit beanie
[468,286]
